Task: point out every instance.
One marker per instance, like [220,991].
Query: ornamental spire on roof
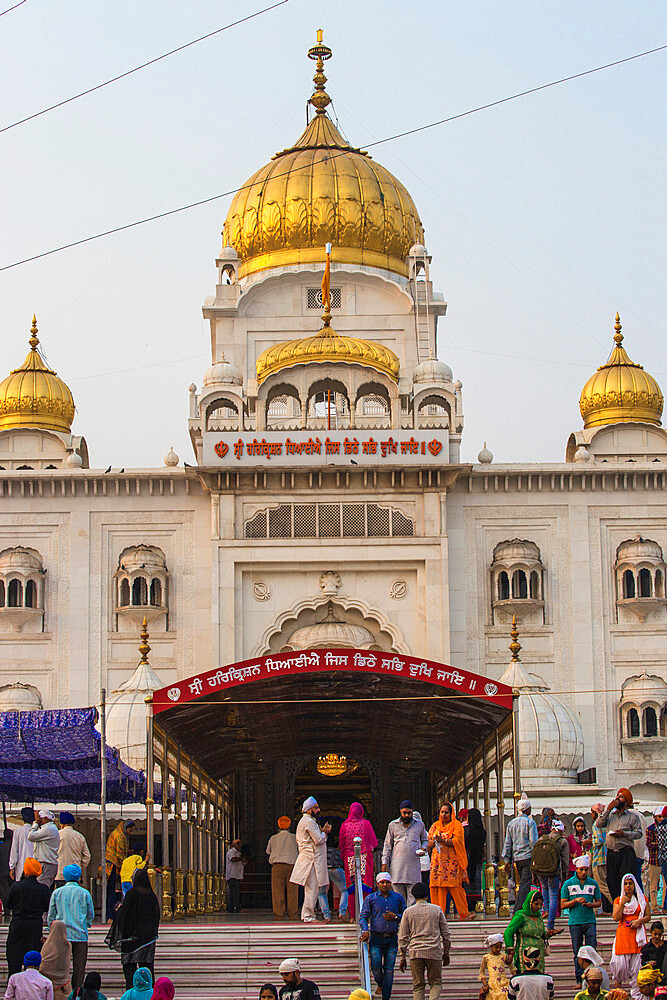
[320,52]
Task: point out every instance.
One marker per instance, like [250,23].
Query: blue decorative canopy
[55,756]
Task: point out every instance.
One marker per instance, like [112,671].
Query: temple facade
[326,506]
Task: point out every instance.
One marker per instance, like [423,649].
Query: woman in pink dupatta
[356,826]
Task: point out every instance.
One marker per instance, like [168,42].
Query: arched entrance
[335,780]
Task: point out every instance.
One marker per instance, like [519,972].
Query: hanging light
[331,765]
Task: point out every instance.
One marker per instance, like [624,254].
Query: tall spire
[320,52]
[618,336]
[34,339]
[515,645]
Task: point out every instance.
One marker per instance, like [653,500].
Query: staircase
[230,960]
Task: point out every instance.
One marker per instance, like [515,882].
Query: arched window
[2,593]
[503,586]
[659,583]
[645,583]
[633,722]
[124,594]
[31,594]
[519,585]
[628,584]
[535,589]
[650,721]
[15,594]
[156,593]
[139,591]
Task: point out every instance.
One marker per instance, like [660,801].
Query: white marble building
[390,547]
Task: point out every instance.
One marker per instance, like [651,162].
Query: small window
[503,586]
[628,584]
[645,583]
[15,594]
[633,722]
[519,585]
[659,584]
[2,593]
[31,594]
[139,591]
[535,586]
[156,593]
[650,721]
[124,594]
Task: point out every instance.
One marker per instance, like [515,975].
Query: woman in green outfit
[526,930]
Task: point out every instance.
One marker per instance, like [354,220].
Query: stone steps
[230,960]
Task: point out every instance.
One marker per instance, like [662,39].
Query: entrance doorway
[336,781]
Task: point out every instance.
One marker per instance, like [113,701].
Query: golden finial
[515,645]
[618,336]
[319,52]
[34,339]
[326,294]
[144,648]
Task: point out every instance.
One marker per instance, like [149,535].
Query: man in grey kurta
[405,843]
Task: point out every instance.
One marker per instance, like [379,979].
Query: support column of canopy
[167,908]
[179,894]
[191,870]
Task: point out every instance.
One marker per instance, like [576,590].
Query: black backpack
[546,857]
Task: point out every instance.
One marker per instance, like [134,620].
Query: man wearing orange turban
[623,828]
[27,900]
[282,851]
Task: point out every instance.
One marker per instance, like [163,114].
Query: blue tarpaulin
[54,756]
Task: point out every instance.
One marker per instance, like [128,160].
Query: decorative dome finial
[319,52]
[144,648]
[34,339]
[515,645]
[618,336]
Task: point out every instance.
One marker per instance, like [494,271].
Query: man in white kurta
[310,869]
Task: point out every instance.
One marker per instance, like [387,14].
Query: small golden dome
[34,396]
[620,391]
[327,346]
[322,190]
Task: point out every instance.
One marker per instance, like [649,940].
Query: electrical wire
[370,145]
[129,72]
[9,9]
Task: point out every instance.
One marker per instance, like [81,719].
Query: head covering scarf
[531,957]
[269,986]
[32,958]
[648,975]
[524,803]
[658,811]
[140,879]
[56,952]
[92,984]
[590,954]
[289,965]
[558,825]
[72,873]
[476,834]
[463,815]
[598,808]
[28,814]
[630,908]
[309,803]
[627,795]
[66,818]
[582,862]
[142,985]
[45,814]
[284,822]
[406,804]
[163,989]
[493,939]
[454,831]
[579,837]
[618,994]
[32,867]
[360,995]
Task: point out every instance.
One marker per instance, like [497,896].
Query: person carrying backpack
[549,864]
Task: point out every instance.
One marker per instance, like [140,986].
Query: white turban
[590,955]
[524,803]
[383,877]
[558,825]
[493,939]
[45,814]
[289,965]
[308,804]
[583,862]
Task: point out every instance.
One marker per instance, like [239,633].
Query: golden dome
[322,190]
[34,396]
[620,391]
[327,346]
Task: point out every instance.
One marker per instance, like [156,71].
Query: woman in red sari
[449,862]
[356,826]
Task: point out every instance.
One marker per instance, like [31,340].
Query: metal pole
[103,804]
[150,767]
[363,951]
[515,750]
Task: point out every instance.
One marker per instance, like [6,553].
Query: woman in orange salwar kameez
[449,862]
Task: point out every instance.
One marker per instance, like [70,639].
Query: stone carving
[330,583]
[261,591]
[398,590]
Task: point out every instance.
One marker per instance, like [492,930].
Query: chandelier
[331,765]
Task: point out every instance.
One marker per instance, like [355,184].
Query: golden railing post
[489,889]
[167,913]
[210,905]
[191,882]
[201,893]
[179,897]
[503,892]
[218,892]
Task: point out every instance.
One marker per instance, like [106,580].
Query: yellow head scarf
[648,975]
[360,995]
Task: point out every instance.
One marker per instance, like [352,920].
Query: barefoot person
[632,913]
[310,869]
[449,862]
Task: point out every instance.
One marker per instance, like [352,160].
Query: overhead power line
[369,145]
[9,9]
[129,72]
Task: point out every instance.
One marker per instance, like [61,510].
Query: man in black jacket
[295,987]
[27,900]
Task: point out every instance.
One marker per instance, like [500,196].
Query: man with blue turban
[74,906]
[73,849]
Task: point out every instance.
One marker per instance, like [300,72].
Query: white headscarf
[590,954]
[524,803]
[629,909]
[493,939]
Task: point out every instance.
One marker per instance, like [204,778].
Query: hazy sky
[543,216]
